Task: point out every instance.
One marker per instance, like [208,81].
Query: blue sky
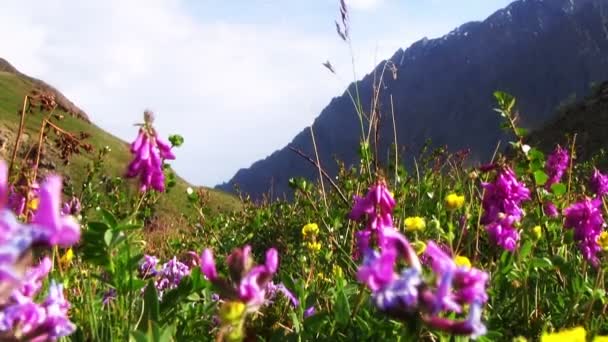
[238,79]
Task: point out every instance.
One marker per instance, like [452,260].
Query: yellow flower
[600,339]
[577,334]
[232,312]
[66,259]
[414,223]
[537,231]
[310,230]
[462,261]
[313,246]
[454,201]
[419,247]
[323,277]
[33,204]
[602,240]
[337,271]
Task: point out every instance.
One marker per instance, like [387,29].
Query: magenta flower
[377,207]
[585,217]
[310,311]
[501,203]
[550,209]
[52,227]
[248,283]
[598,183]
[556,165]
[149,150]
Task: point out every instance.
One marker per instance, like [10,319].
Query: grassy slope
[12,91]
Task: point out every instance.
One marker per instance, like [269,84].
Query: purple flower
[501,203]
[57,322]
[402,293]
[53,228]
[32,281]
[556,165]
[377,270]
[310,311]
[598,183]
[72,207]
[585,217]
[149,151]
[171,274]
[550,209]
[273,289]
[108,297]
[147,268]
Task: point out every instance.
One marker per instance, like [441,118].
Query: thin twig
[331,181]
[19,133]
[314,145]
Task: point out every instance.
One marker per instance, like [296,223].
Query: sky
[237,79]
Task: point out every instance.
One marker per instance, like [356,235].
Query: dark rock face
[540,51]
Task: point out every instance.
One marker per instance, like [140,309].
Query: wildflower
[337,271]
[147,268]
[66,258]
[598,183]
[149,151]
[557,164]
[280,288]
[377,205]
[550,209]
[53,228]
[454,201]
[232,311]
[313,246]
[537,232]
[462,261]
[585,217]
[72,207]
[108,297]
[602,240]
[310,230]
[501,204]
[250,283]
[310,311]
[414,223]
[171,274]
[577,334]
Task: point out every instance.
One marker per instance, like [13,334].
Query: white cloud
[236,92]
[363,5]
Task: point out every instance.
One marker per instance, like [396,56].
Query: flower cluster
[248,287]
[556,165]
[454,201]
[502,211]
[599,183]
[168,276]
[309,234]
[20,315]
[149,151]
[585,217]
[376,210]
[405,293]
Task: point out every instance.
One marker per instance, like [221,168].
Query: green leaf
[525,250]
[342,308]
[558,189]
[522,132]
[541,263]
[108,218]
[540,177]
[176,140]
[108,237]
[151,306]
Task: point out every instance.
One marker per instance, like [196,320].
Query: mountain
[14,86]
[587,118]
[539,51]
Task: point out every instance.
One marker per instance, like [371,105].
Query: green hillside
[14,87]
